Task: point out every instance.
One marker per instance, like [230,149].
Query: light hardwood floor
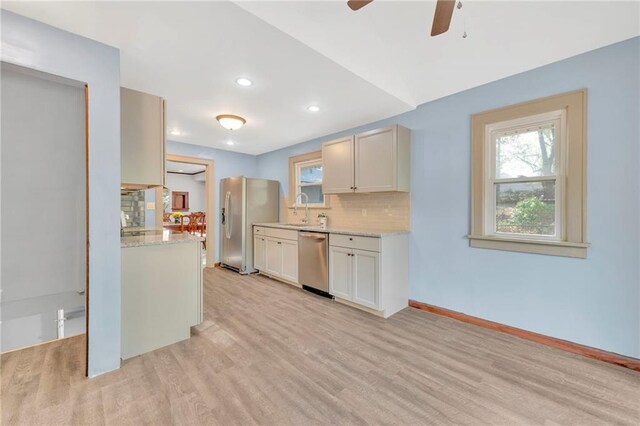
[269,353]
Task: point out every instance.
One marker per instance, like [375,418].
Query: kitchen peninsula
[161,289]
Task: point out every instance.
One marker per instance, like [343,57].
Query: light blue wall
[596,301]
[33,44]
[226,164]
[150,214]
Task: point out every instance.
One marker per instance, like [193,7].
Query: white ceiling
[357,66]
[388,42]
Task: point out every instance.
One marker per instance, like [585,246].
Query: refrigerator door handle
[227,222]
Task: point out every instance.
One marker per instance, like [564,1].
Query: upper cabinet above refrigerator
[142,139]
[373,161]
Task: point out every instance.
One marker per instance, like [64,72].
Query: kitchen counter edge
[340,231]
[159,239]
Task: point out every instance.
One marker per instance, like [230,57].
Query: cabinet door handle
[279,242]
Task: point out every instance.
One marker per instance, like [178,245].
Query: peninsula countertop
[330,230]
[157,237]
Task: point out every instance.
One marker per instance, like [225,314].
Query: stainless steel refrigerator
[244,201]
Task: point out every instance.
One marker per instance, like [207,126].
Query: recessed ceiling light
[180,170]
[175,132]
[313,108]
[231,122]
[245,82]
[230,143]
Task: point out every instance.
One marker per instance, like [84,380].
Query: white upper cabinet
[142,139]
[374,161]
[383,160]
[338,166]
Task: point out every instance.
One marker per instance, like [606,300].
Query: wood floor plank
[269,353]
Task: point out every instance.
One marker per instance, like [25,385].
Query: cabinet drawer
[258,230]
[285,234]
[355,242]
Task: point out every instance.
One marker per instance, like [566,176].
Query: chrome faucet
[306,207]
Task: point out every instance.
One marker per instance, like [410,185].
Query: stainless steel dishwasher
[313,262]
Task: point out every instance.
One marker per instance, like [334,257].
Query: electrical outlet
[364,212]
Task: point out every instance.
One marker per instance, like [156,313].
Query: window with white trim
[305,176]
[525,175]
[309,182]
[528,177]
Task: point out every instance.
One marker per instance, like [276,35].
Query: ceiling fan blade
[442,17]
[358,4]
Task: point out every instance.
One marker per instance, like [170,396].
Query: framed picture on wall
[179,201]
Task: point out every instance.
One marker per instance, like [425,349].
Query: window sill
[547,247]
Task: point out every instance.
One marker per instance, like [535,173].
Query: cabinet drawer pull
[279,242]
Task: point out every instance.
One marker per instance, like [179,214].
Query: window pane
[314,192]
[529,153]
[311,174]
[526,208]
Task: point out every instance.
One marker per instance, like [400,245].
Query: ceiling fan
[441,19]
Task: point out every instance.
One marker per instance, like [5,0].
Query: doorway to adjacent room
[44,207]
[186,205]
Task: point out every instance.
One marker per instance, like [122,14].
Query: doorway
[186,174]
[44,196]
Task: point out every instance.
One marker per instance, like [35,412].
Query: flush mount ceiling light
[313,108]
[231,122]
[245,82]
[230,143]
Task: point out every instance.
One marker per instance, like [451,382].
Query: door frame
[87,243]
[209,189]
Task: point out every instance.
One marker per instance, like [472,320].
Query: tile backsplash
[132,204]
[379,211]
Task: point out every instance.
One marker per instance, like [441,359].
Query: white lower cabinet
[259,252]
[366,279]
[370,273]
[275,253]
[290,260]
[340,272]
[354,276]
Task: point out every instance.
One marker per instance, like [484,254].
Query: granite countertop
[157,237]
[344,231]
